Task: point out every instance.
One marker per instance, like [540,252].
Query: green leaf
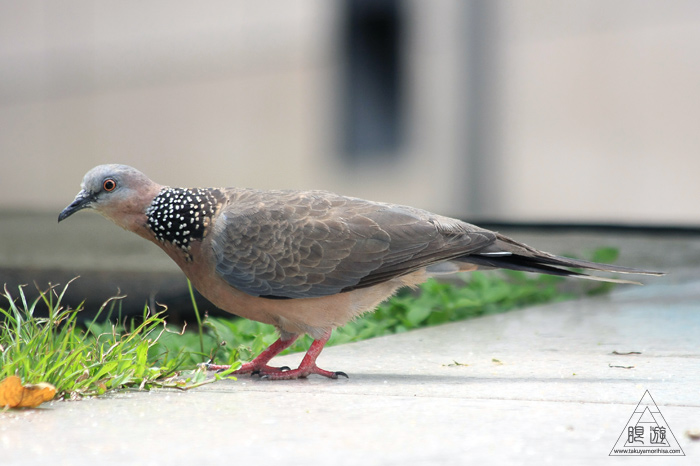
[417,314]
[606,255]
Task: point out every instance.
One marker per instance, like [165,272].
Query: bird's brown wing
[290,244]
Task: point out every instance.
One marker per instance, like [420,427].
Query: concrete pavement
[535,386]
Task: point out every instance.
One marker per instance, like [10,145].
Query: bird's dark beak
[82,200]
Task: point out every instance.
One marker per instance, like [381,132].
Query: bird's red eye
[109,185]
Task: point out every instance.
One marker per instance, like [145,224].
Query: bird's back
[301,244]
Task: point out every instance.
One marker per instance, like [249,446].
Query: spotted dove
[303,261]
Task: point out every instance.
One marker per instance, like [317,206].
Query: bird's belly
[314,316]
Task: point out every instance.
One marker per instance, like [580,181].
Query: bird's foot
[248,368]
[258,366]
[302,372]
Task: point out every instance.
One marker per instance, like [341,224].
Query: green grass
[87,361]
[109,355]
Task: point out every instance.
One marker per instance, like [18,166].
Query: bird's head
[118,192]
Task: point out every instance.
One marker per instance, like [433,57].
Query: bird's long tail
[509,254]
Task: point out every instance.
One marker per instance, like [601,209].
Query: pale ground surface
[535,386]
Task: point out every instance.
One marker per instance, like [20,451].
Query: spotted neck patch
[181,215]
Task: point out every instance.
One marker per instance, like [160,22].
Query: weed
[83,362]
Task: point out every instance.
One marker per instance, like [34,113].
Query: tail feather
[584,264]
[509,254]
[547,266]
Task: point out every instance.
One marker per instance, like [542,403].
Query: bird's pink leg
[308,364]
[307,367]
[259,364]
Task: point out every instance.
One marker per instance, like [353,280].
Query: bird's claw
[303,372]
[263,372]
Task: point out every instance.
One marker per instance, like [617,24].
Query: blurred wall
[511,110]
[599,111]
